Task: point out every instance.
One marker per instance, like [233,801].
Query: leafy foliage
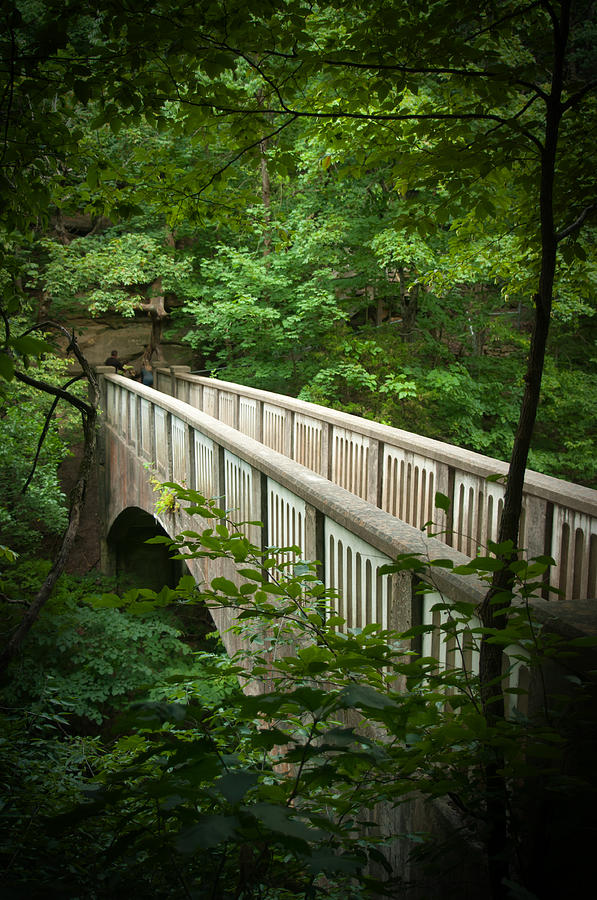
[112,270]
[268,794]
[93,657]
[32,504]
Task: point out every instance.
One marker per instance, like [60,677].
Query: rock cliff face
[99,336]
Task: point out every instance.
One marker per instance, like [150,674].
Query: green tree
[504,90]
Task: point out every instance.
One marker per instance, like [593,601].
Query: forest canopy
[335,202]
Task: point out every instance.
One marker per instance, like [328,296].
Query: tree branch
[77,498]
[72,345]
[77,501]
[574,99]
[577,224]
[241,152]
[54,391]
[44,432]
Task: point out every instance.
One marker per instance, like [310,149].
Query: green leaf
[106,601]
[253,574]
[225,586]
[585,641]
[278,819]
[7,367]
[441,501]
[504,549]
[322,860]
[31,346]
[362,696]
[207,832]
[234,785]
[487,564]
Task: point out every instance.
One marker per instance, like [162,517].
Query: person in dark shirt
[113,360]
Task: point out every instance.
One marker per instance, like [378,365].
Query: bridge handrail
[400,471]
[350,536]
[546,486]
[380,529]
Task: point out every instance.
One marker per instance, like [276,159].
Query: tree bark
[156,310]
[494,609]
[265,189]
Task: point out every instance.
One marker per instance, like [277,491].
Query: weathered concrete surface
[126,484]
[399,471]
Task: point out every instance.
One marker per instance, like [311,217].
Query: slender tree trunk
[409,305]
[156,310]
[266,197]
[265,189]
[494,609]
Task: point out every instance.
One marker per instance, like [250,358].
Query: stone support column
[174,383]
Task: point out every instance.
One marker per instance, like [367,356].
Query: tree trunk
[494,609]
[156,310]
[266,197]
[265,189]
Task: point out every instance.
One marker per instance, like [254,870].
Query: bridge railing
[400,472]
[350,538]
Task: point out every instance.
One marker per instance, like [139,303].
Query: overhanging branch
[77,498]
[83,407]
[44,432]
[577,224]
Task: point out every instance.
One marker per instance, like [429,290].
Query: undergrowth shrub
[86,650]
[211,793]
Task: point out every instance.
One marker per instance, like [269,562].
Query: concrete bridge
[349,492]
[352,494]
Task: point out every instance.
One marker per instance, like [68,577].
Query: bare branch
[552,15]
[77,501]
[577,224]
[72,345]
[344,114]
[574,99]
[55,391]
[44,432]
[506,18]
[241,152]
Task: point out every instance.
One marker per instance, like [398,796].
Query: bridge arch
[136,564]
[132,560]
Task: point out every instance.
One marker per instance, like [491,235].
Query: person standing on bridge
[145,375]
[113,360]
